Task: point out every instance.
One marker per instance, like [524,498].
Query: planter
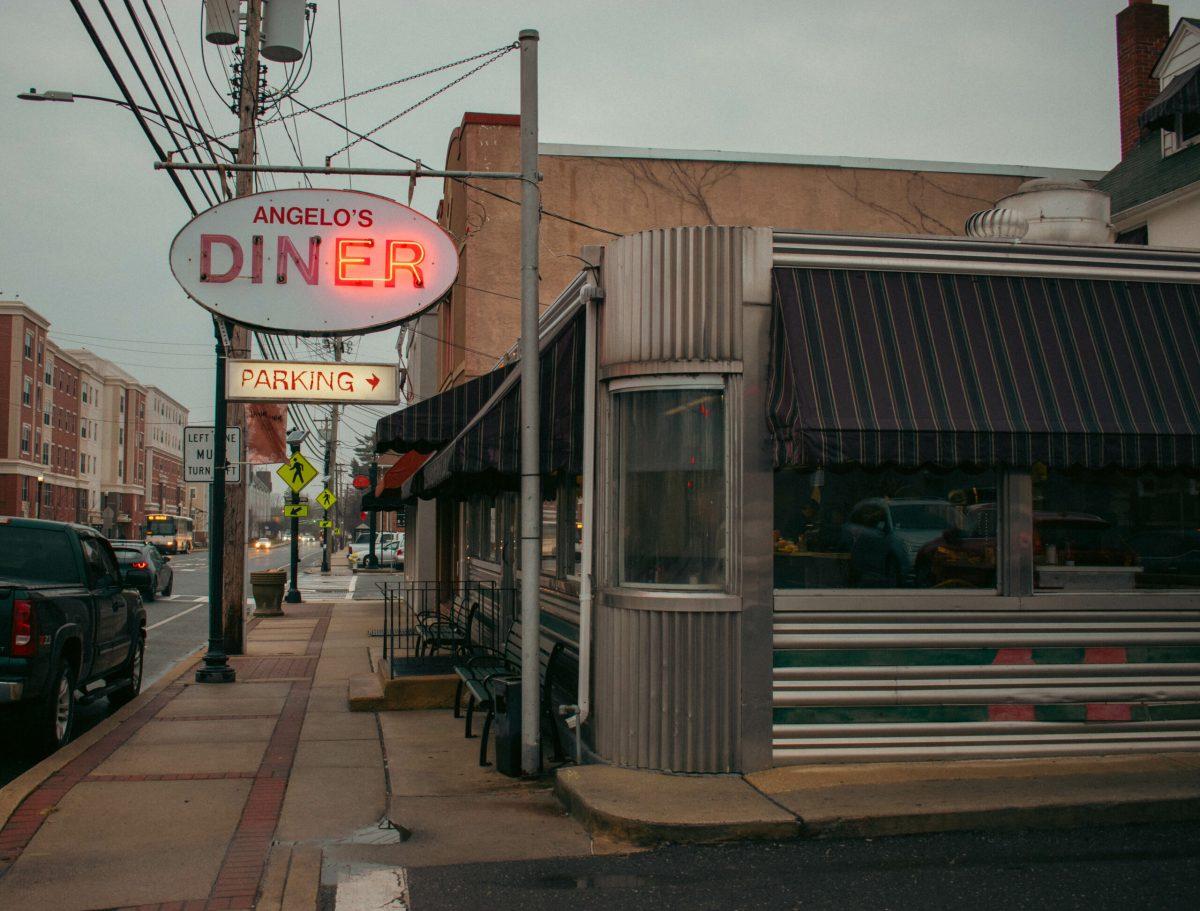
[268,587]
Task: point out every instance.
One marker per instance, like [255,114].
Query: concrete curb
[603,810]
[1062,816]
[13,793]
[372,693]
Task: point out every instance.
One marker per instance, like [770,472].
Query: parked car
[392,553]
[67,621]
[145,569]
[966,557]
[361,545]
[1170,557]
[883,537]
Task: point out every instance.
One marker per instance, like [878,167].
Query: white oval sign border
[375,325]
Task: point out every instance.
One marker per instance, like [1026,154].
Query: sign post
[216,667]
[372,561]
[295,438]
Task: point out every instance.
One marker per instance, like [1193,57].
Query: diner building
[850,497]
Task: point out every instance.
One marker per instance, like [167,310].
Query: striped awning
[910,369]
[485,456]
[433,422]
[1181,96]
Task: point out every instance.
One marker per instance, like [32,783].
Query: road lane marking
[174,617]
[202,598]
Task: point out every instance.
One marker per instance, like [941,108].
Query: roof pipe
[590,294]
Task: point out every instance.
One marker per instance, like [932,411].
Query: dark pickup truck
[69,629]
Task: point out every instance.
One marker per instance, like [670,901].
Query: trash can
[506,693]
[267,587]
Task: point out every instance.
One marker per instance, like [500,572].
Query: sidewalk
[270,793]
[176,801]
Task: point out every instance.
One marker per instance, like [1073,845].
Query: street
[176,625]
[1133,867]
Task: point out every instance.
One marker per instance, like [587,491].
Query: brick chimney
[1143,28]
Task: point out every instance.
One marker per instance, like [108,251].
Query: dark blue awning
[910,369]
[1181,96]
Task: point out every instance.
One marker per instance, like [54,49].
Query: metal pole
[325,513]
[372,561]
[234,539]
[293,595]
[216,668]
[531,496]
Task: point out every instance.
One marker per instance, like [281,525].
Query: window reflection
[1113,530]
[859,528]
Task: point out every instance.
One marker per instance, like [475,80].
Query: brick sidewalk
[176,756]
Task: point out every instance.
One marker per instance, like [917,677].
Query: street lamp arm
[34,95]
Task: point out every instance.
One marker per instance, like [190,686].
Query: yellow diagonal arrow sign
[295,510]
[297,472]
[326,498]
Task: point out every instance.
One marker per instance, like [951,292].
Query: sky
[85,223]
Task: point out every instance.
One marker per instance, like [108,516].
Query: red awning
[406,466]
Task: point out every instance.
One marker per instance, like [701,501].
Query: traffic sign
[297,472]
[311,381]
[295,510]
[326,523]
[198,455]
[326,498]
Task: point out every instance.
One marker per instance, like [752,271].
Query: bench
[559,685]
[436,631]
[475,675]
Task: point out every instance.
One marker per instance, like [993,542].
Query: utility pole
[234,542]
[531,493]
[331,438]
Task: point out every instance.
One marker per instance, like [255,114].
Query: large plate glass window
[671,487]
[886,528]
[1115,530]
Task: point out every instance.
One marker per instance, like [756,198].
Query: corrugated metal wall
[673,294]
[672,682]
[1006,679]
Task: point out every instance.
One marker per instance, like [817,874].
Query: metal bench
[475,675]
[436,631]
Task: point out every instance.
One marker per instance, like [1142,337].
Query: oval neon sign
[314,262]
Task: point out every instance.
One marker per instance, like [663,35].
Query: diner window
[1113,530]
[885,528]
[670,479]
[572,532]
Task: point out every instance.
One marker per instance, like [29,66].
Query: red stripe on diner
[1013,656]
[1109,711]
[1011,713]
[1105,655]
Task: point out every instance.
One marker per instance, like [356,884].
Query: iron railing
[429,623]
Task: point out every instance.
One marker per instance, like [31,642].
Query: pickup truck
[69,629]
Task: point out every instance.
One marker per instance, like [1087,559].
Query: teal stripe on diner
[932,657]
[879,714]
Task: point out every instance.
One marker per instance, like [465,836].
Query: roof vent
[1061,211]
[997,224]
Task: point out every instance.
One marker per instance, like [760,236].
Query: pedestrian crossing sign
[295,510]
[326,523]
[297,472]
[326,498]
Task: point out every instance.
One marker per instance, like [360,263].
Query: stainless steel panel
[673,294]
[802,624]
[666,689]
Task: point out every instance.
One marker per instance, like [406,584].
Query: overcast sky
[86,223]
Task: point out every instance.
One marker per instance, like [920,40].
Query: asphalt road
[1092,869]
[176,625]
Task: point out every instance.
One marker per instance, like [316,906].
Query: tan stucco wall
[627,195]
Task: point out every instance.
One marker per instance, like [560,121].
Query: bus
[170,534]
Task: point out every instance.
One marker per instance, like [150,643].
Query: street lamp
[40,479]
[69,97]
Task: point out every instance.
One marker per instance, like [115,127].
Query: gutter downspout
[590,294]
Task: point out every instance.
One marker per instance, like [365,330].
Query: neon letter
[206,245]
[285,250]
[416,256]
[344,261]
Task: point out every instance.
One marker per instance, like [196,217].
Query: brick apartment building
[80,443]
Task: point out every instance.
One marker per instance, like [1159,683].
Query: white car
[389,549]
[262,544]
